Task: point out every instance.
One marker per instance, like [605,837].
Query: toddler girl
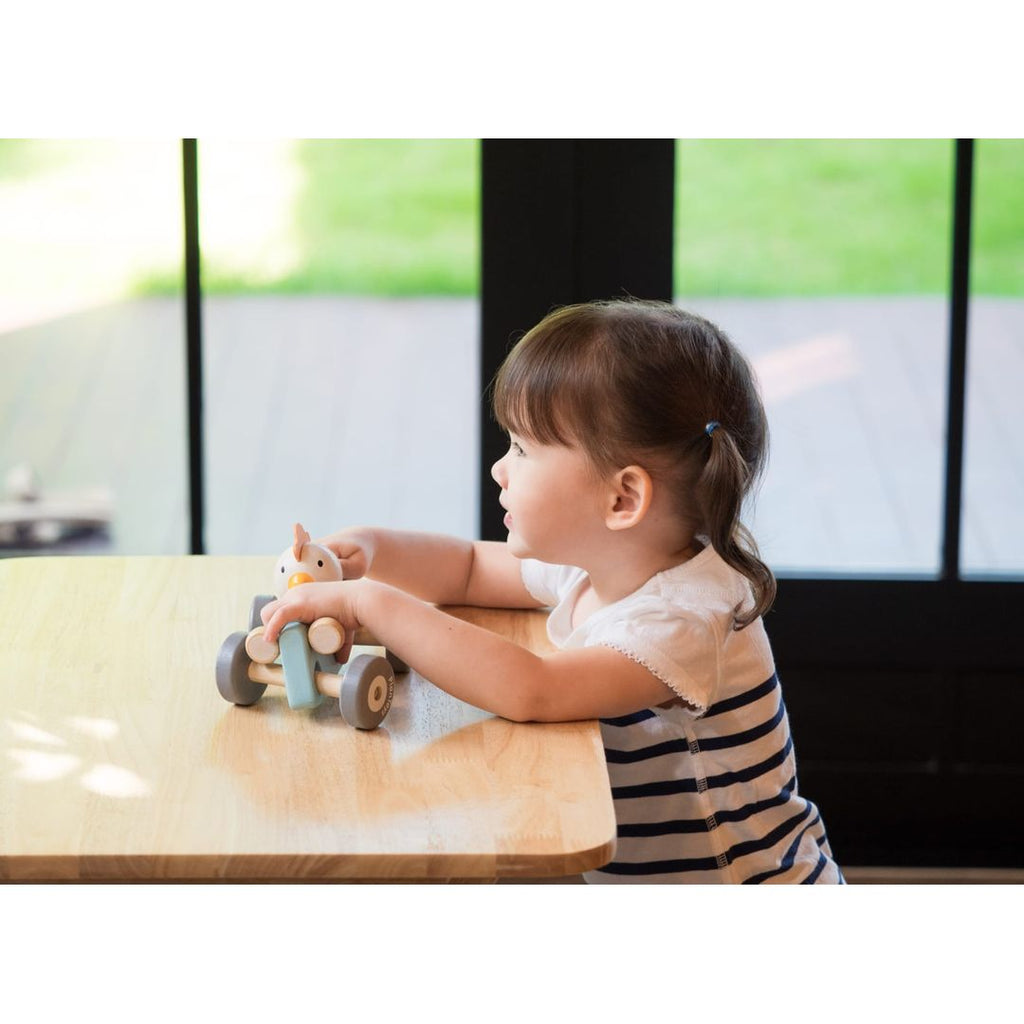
[636,430]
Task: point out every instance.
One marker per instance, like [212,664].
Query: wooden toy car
[303,660]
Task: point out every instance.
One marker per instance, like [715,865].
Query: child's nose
[498,474]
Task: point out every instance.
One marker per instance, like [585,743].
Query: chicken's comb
[301,540]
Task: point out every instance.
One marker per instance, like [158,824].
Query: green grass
[401,217]
[826,217]
[810,217]
[379,217]
[405,222]
[997,266]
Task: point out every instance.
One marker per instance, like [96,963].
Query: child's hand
[355,550]
[311,601]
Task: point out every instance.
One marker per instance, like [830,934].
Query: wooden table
[120,760]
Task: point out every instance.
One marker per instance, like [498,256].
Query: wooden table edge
[290,867]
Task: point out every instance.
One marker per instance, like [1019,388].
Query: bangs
[525,399]
[546,390]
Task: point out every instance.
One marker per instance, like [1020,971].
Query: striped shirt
[705,791]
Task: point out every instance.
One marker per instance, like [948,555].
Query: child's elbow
[520,708]
[529,694]
[531,703]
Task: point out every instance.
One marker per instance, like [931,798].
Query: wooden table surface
[120,759]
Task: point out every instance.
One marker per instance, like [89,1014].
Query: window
[92,404]
[992,541]
[827,261]
[341,334]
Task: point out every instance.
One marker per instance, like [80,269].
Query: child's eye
[516,448]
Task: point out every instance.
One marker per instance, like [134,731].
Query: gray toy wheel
[233,680]
[258,603]
[366,691]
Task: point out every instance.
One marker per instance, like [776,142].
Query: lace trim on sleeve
[688,705]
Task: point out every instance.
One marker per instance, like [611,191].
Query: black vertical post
[564,221]
[194,343]
[956,388]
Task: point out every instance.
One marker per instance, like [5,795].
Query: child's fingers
[353,563]
[304,603]
[279,617]
[342,655]
[350,553]
[341,546]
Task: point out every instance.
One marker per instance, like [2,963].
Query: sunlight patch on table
[33,734]
[42,765]
[110,780]
[97,728]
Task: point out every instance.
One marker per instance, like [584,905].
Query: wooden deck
[337,410]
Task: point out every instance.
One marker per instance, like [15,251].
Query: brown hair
[636,381]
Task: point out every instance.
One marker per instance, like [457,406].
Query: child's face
[554,500]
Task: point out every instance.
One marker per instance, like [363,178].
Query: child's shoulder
[705,588]
[704,575]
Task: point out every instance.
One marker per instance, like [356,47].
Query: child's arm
[434,567]
[473,664]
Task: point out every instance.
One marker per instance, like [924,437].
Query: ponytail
[726,478]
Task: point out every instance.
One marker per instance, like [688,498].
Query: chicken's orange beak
[299,577]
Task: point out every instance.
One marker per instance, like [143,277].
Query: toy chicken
[305,562]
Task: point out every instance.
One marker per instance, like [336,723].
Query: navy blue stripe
[747,697]
[681,826]
[661,867]
[637,716]
[766,842]
[737,739]
[680,746]
[741,699]
[646,753]
[787,861]
[680,866]
[813,876]
[742,813]
[669,786]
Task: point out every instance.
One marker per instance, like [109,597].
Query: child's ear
[631,494]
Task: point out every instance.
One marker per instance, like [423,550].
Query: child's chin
[516,546]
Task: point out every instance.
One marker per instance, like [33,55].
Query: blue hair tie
[711,426]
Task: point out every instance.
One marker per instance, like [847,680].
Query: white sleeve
[679,646]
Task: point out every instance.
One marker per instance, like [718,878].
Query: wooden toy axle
[328,683]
